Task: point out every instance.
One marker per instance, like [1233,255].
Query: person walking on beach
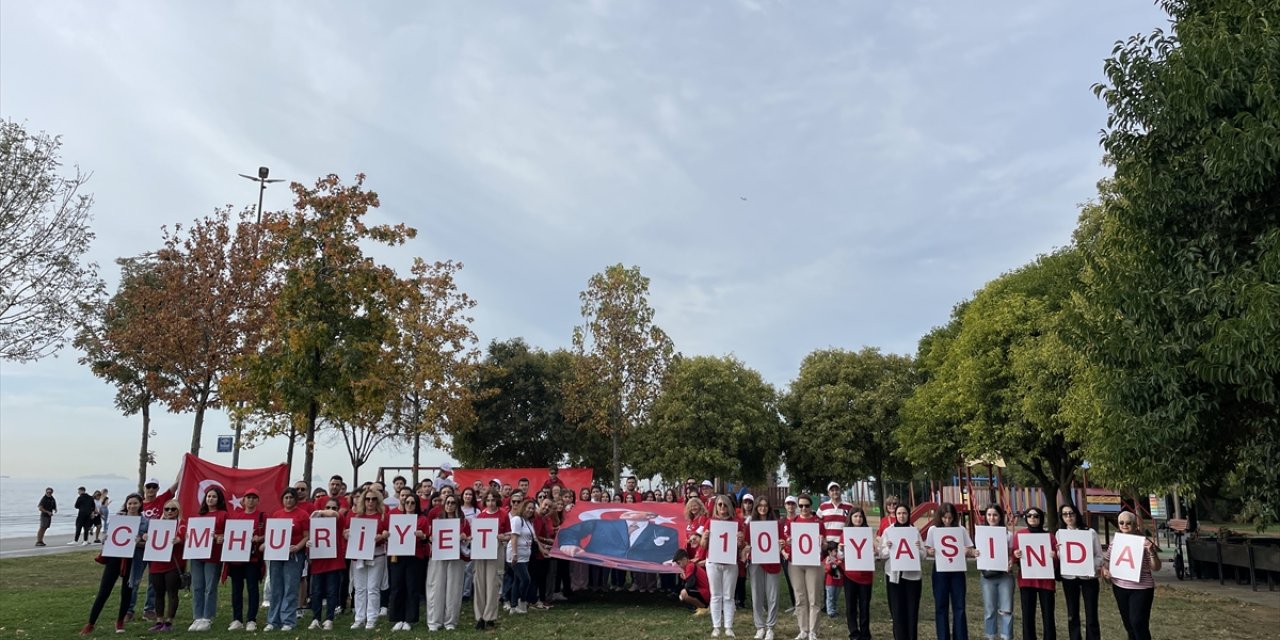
[85,508]
[47,506]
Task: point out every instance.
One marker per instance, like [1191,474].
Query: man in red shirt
[707,494]
[153,501]
[553,479]
[632,489]
[834,513]
[697,588]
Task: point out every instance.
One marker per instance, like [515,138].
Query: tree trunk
[144,454]
[417,456]
[617,459]
[197,429]
[288,456]
[313,410]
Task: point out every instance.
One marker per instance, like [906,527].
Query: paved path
[25,547]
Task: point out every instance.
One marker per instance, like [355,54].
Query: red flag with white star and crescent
[199,475]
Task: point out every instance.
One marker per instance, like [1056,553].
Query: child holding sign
[1133,597]
[950,544]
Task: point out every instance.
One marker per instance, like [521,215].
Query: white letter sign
[484,539]
[404,536]
[237,540]
[1075,552]
[446,538]
[723,542]
[993,548]
[324,539]
[859,550]
[1036,563]
[806,544]
[764,542]
[1126,557]
[122,536]
[904,548]
[199,542]
[160,535]
[279,534]
[360,538]
[949,545]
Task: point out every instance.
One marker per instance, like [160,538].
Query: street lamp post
[262,181]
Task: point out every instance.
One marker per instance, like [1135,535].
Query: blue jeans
[948,595]
[833,591]
[285,577]
[522,588]
[326,589]
[135,577]
[997,607]
[204,589]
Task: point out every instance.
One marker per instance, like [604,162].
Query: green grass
[49,597]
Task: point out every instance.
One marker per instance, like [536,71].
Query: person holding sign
[407,571]
[286,574]
[366,575]
[1033,589]
[804,551]
[113,569]
[1133,597]
[246,576]
[166,575]
[726,539]
[326,573]
[900,546]
[949,544]
[766,532]
[448,532]
[857,583]
[997,584]
[205,573]
[1079,581]
[487,572]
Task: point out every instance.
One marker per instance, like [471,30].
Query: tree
[623,358]
[334,314]
[841,412]
[518,396]
[930,435]
[125,365]
[716,418]
[201,312]
[436,358]
[1183,257]
[44,234]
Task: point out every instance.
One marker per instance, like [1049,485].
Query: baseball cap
[446,467]
[748,497]
[833,484]
[790,499]
[496,481]
[251,492]
[151,481]
[707,483]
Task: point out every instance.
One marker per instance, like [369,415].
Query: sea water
[19,517]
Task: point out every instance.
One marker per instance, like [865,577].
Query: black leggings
[1135,611]
[857,609]
[166,585]
[113,570]
[1030,596]
[1072,592]
[904,608]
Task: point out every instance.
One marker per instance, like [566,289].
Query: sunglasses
[372,499]
[806,505]
[169,509]
[451,502]
[1033,515]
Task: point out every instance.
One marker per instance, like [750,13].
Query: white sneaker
[715,633]
[251,626]
[399,626]
[286,628]
[315,624]
[802,636]
[759,634]
[407,626]
[269,627]
[327,626]
[358,624]
[235,625]
[447,627]
[728,631]
[195,626]
[371,625]
[768,635]
[813,635]
[382,613]
[206,624]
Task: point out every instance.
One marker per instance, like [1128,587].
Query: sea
[19,517]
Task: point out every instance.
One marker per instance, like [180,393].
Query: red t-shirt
[463,530]
[325,565]
[154,508]
[827,564]
[301,523]
[219,527]
[259,531]
[1046,584]
[701,583]
[175,555]
[770,567]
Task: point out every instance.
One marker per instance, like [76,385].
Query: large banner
[575,479]
[198,475]
[642,538]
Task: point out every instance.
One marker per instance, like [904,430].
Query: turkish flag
[633,537]
[574,478]
[198,475]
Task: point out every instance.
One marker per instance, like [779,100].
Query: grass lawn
[49,597]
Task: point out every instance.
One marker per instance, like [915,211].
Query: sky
[791,176]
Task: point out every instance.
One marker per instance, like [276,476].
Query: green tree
[623,357]
[323,350]
[44,235]
[1182,303]
[930,434]
[841,413]
[716,418]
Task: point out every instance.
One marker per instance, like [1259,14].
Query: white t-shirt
[522,550]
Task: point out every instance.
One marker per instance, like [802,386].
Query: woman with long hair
[1033,591]
[723,575]
[997,588]
[1077,588]
[367,575]
[518,554]
[469,505]
[327,574]
[808,580]
[444,577]
[1134,599]
[948,586]
[488,573]
[205,573]
[670,496]
[695,518]
[246,576]
[286,575]
[904,586]
[119,569]
[857,589]
[764,577]
[406,573]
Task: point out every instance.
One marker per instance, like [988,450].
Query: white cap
[446,467]
[707,483]
[790,499]
[749,497]
[833,484]
[151,481]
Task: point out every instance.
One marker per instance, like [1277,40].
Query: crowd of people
[401,587]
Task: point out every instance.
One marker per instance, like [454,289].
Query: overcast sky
[791,175]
